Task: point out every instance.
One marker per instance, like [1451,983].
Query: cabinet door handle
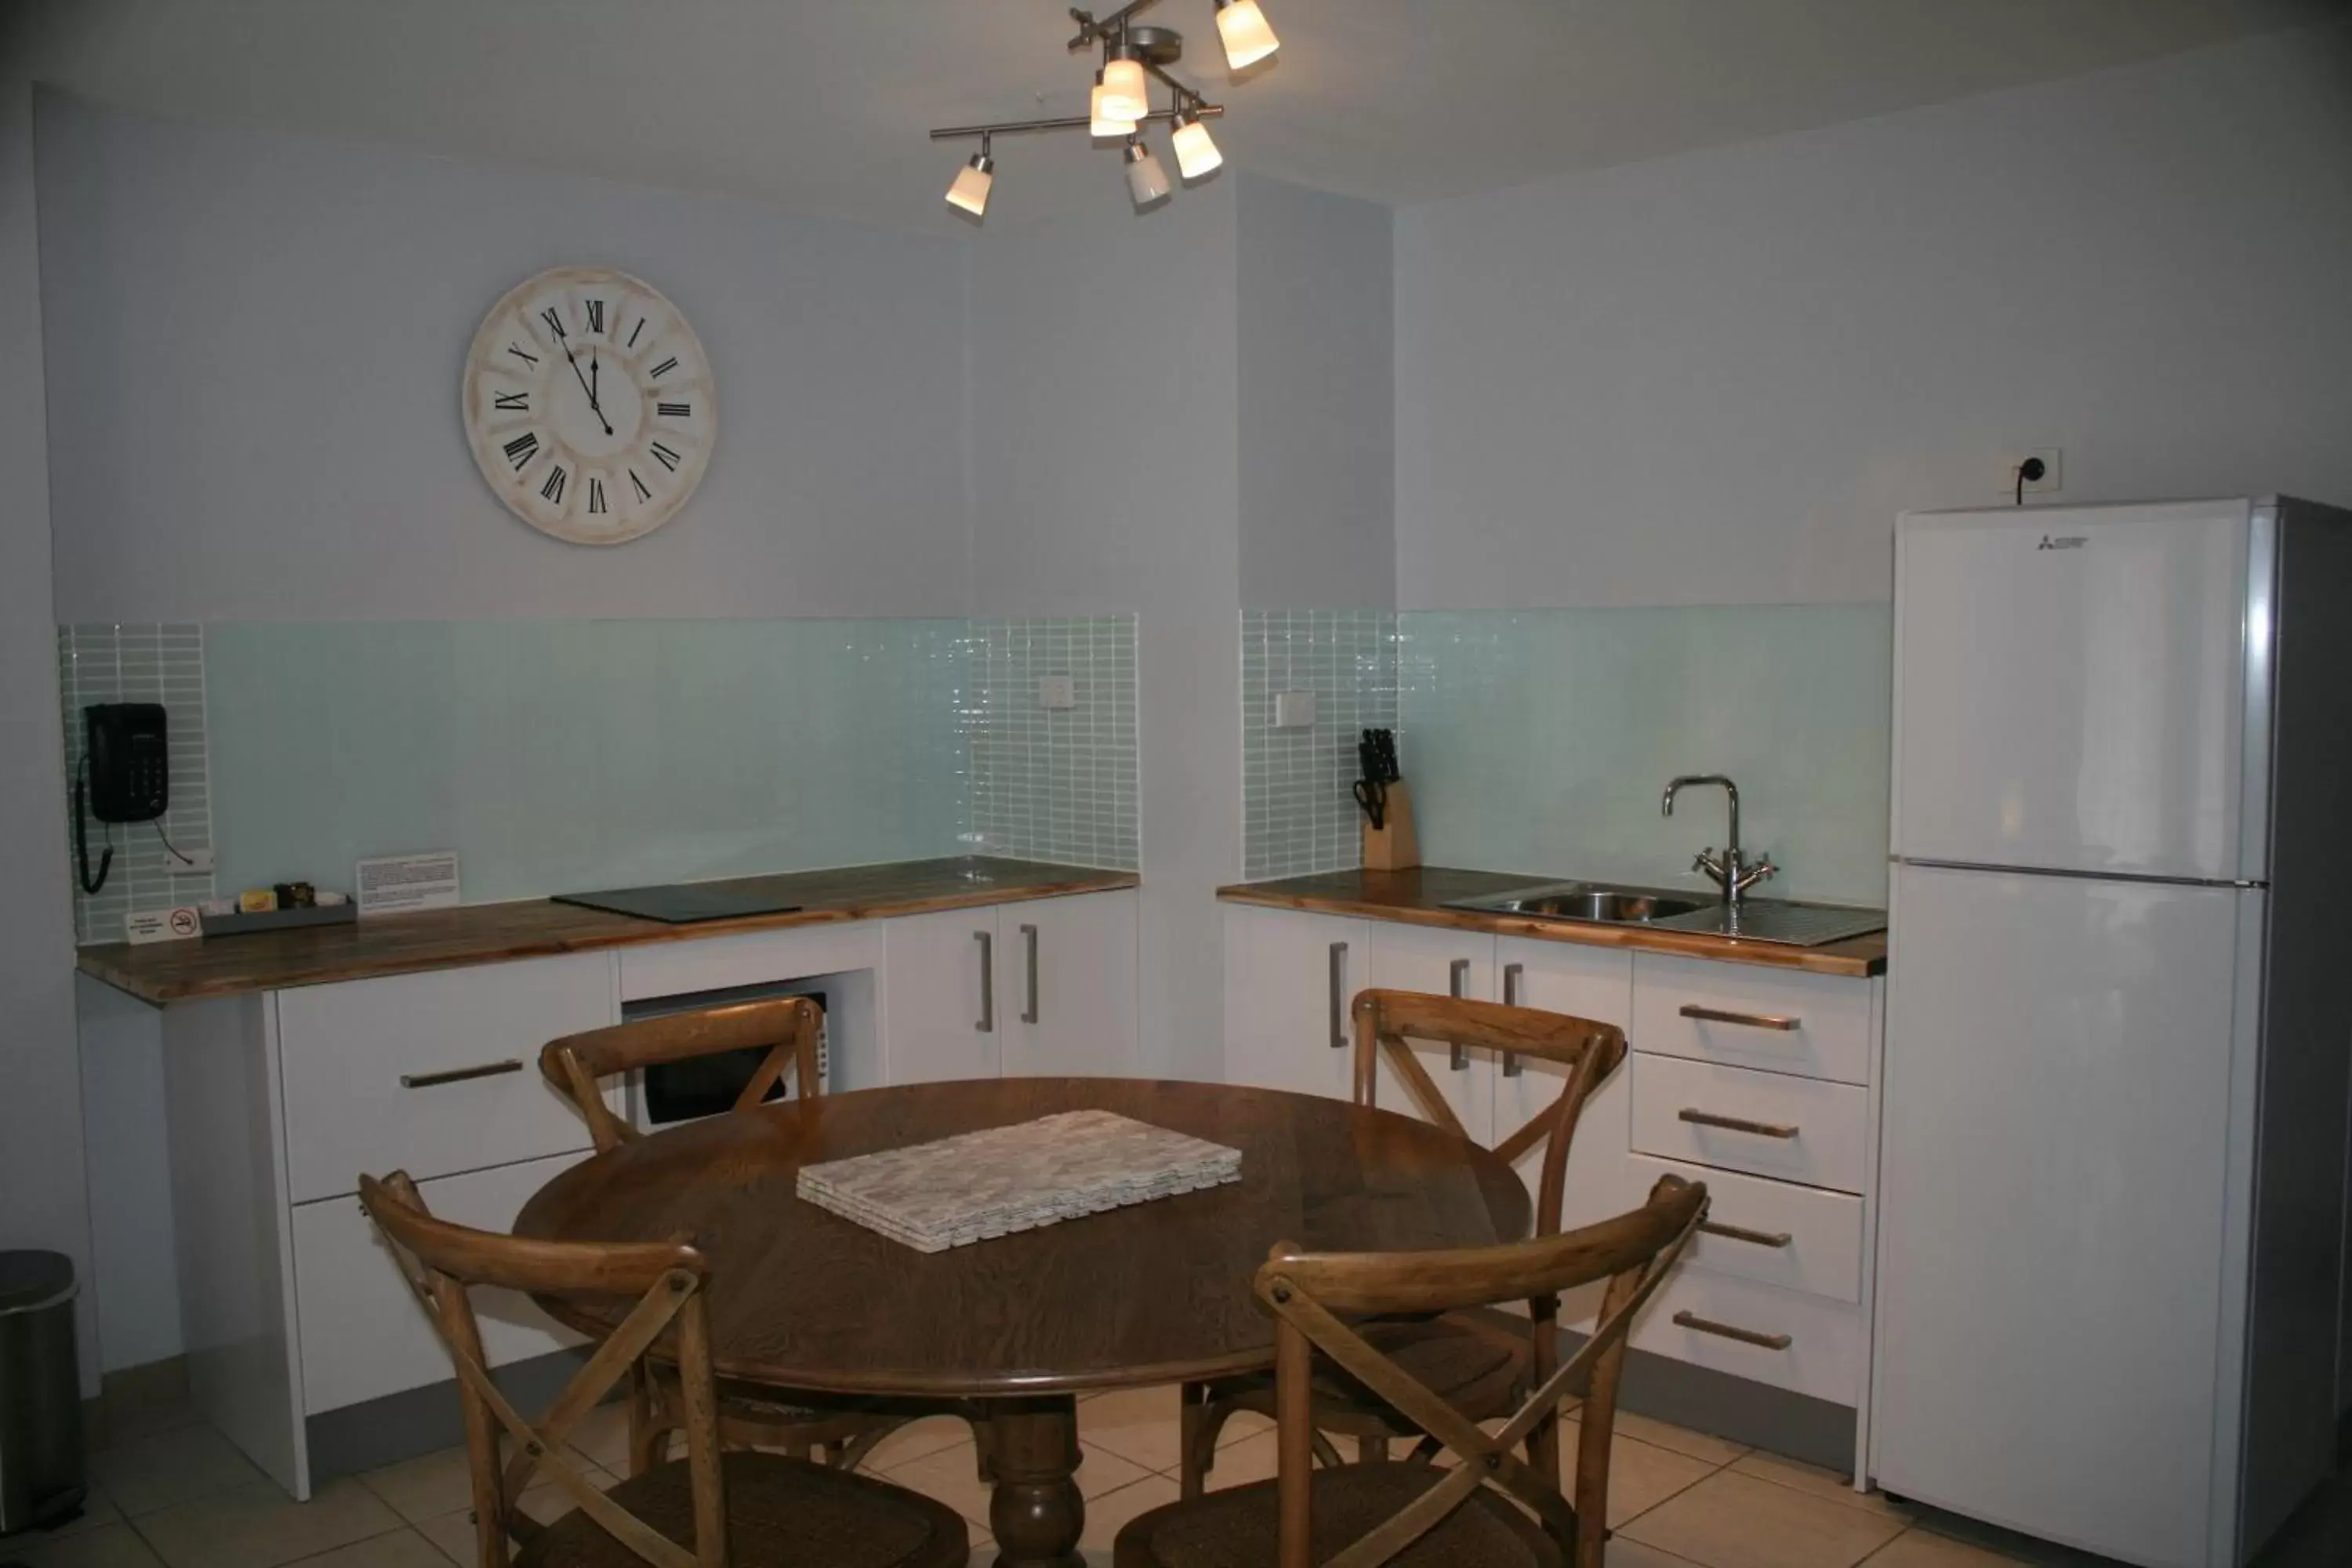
[1029,936]
[1457,981]
[1732,1331]
[987,940]
[459,1075]
[1775,1238]
[1339,995]
[1511,973]
[1750,1020]
[1737,1124]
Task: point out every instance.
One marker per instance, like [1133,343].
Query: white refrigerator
[2111,1252]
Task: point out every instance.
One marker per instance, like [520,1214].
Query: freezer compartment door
[2054,1156]
[2070,687]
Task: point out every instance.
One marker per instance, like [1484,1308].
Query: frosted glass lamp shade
[1147,181]
[1104,122]
[1243,27]
[970,191]
[1196,155]
[1123,92]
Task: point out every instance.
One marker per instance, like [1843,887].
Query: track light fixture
[1119,106]
[1243,27]
[970,191]
[1147,181]
[1196,152]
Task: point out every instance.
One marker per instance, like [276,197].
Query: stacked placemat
[979,1185]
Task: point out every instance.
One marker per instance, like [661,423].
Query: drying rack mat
[976,1186]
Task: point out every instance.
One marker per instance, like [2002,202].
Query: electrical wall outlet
[1056,691]
[1294,710]
[2054,470]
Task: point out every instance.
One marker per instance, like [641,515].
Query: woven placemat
[978,1186]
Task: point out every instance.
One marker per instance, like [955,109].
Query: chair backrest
[442,1261]
[1309,1292]
[1591,1051]
[789,1027]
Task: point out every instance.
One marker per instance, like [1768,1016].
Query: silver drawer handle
[1029,935]
[1741,1232]
[1339,995]
[1751,1020]
[459,1075]
[1736,1123]
[1732,1331]
[1511,973]
[1458,984]
[987,940]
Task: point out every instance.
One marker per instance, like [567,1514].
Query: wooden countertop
[489,934]
[1419,896]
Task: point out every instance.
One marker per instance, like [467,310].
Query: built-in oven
[669,1092]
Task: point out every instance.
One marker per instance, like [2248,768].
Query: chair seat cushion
[779,1511]
[1476,1370]
[1240,1527]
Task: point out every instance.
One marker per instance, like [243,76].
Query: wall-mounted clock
[589,405]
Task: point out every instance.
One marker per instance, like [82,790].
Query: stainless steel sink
[1586,901]
[1757,919]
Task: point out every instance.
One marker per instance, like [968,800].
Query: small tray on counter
[279,920]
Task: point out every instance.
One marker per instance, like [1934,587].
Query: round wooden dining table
[1013,1329]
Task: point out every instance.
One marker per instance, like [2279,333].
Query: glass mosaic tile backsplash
[148,663]
[1539,740]
[570,755]
[1298,811]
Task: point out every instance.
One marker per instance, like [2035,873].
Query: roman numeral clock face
[589,405]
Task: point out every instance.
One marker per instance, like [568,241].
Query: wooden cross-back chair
[706,1510]
[1479,1371]
[788,1028]
[1491,1509]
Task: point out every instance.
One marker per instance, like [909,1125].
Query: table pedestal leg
[1036,1512]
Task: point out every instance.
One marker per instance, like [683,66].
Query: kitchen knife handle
[1458,982]
[1511,973]
[1732,1331]
[1751,1020]
[1737,1124]
[1339,995]
[987,940]
[459,1075]
[1029,935]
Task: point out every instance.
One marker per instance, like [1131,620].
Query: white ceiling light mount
[1133,57]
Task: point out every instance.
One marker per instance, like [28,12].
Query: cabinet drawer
[363,1335]
[361,1059]
[1822,1355]
[1800,1238]
[1815,1025]
[1797,1128]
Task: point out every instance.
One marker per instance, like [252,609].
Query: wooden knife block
[1394,845]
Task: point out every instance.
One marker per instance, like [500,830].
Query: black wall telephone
[126,771]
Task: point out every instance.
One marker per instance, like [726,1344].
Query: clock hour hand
[592,405]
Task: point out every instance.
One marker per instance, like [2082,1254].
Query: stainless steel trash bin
[41,1479]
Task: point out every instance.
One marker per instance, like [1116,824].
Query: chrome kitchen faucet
[1729,871]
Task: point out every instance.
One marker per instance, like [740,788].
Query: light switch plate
[1294,710]
[1056,691]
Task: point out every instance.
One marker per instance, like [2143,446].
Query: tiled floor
[175,1495]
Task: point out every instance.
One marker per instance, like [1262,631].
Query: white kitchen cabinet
[431,1073]
[943,1016]
[1442,961]
[1595,982]
[1288,980]
[1066,986]
[362,1334]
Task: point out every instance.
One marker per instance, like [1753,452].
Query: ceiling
[822,105]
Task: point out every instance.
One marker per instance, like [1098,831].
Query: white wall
[1717,378]
[1102,369]
[1316,401]
[44,1201]
[255,413]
